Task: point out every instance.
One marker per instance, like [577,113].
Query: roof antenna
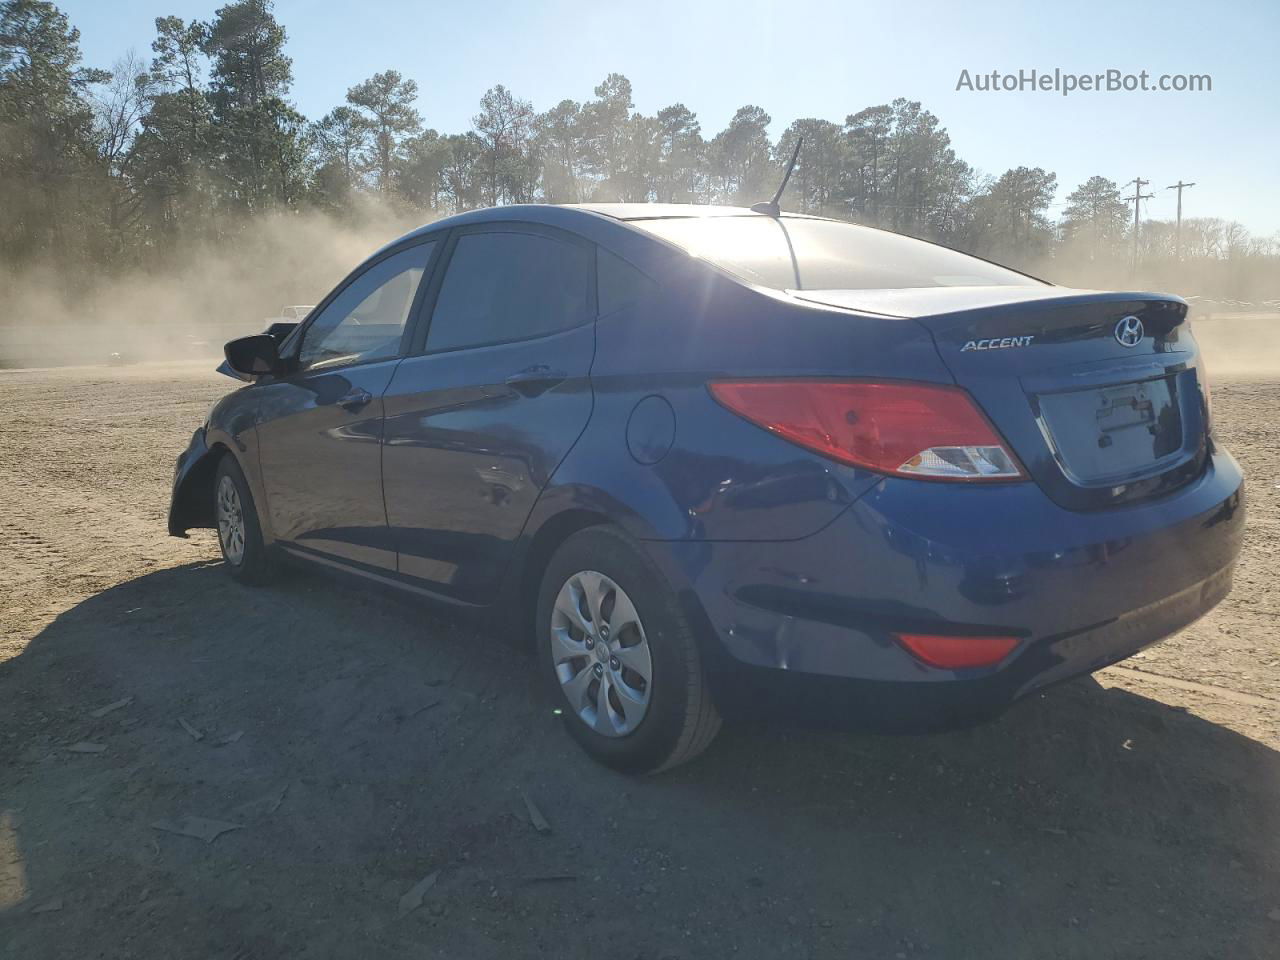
[770,207]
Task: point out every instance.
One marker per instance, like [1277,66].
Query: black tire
[681,719]
[254,565]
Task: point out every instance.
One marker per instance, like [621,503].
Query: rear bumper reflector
[957,653]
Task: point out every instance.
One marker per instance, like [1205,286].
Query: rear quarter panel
[719,476]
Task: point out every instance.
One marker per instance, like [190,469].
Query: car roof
[664,211]
[581,216]
[571,214]
[675,211]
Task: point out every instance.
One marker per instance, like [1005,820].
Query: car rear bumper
[1080,589]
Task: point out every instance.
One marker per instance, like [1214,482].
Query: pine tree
[386,103]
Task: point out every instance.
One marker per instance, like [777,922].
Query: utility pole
[1137,198]
[1177,233]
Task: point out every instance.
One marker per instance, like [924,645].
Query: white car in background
[292,314]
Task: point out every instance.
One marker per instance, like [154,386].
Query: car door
[496,395]
[320,426]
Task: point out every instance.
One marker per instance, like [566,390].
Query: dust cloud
[1240,346]
[189,304]
[192,301]
[1234,313]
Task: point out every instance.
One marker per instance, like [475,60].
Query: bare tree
[118,108]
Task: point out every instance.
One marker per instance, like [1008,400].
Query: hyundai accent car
[687,451]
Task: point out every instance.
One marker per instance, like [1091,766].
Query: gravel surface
[190,768]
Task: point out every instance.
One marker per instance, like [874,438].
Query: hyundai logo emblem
[1129,331]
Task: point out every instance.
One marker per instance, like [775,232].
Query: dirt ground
[375,758]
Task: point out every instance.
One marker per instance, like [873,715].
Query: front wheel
[239,532]
[621,657]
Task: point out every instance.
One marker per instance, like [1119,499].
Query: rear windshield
[793,253]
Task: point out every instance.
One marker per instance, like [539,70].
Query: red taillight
[910,429]
[957,653]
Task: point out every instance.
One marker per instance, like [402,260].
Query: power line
[1136,200]
[1177,233]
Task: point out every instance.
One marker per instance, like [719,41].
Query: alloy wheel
[230,521]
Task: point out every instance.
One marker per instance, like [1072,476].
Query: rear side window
[510,286]
[793,253]
[620,284]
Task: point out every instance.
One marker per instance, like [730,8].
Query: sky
[827,59]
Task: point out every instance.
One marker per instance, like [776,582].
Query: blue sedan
[711,459]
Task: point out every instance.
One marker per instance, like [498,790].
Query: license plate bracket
[1112,433]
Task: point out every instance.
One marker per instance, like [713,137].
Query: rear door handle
[355,400]
[534,380]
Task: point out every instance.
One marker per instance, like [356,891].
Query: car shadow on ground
[360,746]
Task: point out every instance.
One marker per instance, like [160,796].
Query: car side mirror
[281,330]
[251,357]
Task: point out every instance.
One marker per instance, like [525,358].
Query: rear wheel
[239,532]
[621,657]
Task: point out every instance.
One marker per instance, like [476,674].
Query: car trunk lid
[1099,394]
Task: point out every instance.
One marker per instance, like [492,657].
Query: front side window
[795,253]
[367,319]
[503,286]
